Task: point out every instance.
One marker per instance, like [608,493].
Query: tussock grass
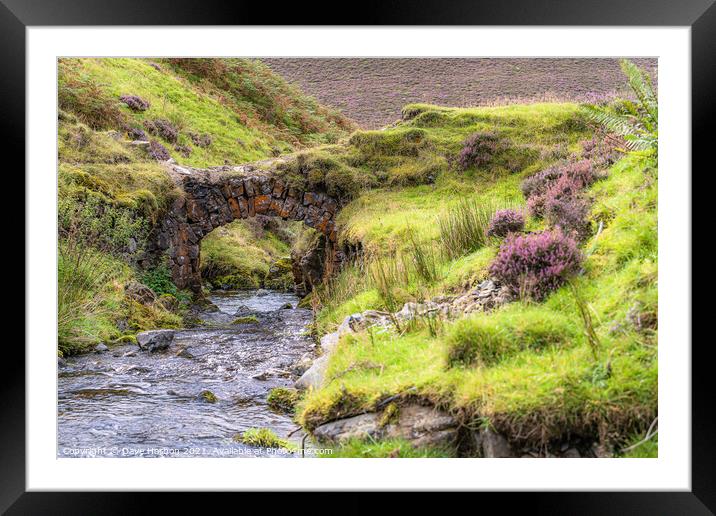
[263,438]
[485,339]
[88,295]
[463,227]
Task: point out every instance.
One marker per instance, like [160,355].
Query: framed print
[448,249]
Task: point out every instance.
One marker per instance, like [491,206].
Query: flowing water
[126,402]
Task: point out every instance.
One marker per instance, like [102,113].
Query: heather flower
[602,152]
[533,265]
[570,214]
[184,150]
[504,222]
[581,171]
[135,103]
[158,151]
[479,149]
[557,183]
[162,128]
[535,205]
[538,183]
[201,140]
[135,133]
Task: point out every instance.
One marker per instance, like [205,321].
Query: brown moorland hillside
[373,91]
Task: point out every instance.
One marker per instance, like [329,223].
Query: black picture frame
[17,15]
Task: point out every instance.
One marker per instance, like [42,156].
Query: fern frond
[619,124]
[640,83]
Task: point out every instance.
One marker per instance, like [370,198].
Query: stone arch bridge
[215,197]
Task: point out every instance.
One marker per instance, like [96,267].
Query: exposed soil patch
[373,91]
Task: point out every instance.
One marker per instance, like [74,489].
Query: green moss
[397,142]
[143,187]
[264,438]
[280,275]
[248,319]
[126,338]
[389,448]
[208,396]
[390,414]
[141,317]
[487,338]
[283,399]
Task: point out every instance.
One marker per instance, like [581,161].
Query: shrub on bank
[570,214]
[136,133]
[162,128]
[158,151]
[479,149]
[557,183]
[535,264]
[135,103]
[201,140]
[504,222]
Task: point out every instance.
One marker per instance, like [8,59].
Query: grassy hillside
[540,369]
[112,187]
[232,110]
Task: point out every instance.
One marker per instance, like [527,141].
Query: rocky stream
[192,397]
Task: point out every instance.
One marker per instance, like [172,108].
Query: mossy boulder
[234,282]
[280,275]
[248,319]
[208,396]
[283,399]
[263,438]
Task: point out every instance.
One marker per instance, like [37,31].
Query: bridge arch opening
[210,200]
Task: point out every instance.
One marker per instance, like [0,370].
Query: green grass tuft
[263,438]
[485,339]
[390,448]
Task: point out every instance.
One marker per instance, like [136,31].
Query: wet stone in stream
[135,403]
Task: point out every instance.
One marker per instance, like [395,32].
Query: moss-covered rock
[283,399]
[247,319]
[208,396]
[280,275]
[264,438]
